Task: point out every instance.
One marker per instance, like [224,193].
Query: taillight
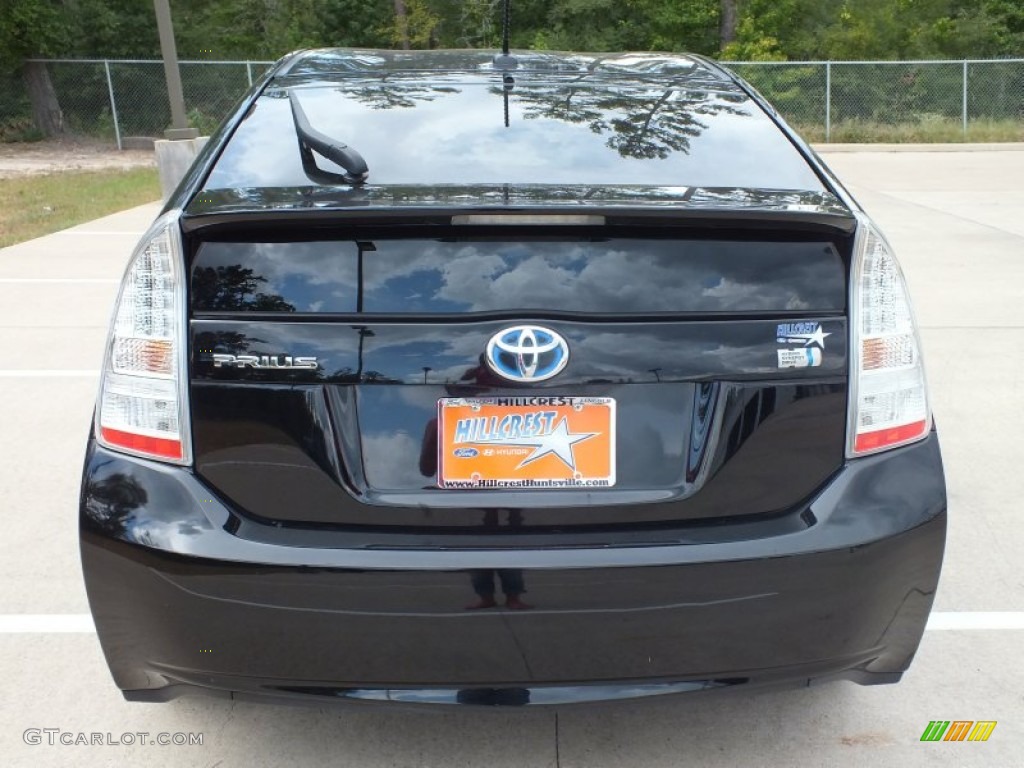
[142,406]
[888,395]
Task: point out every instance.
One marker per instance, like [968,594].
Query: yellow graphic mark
[982,730]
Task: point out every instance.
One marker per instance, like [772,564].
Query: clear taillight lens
[142,408]
[888,395]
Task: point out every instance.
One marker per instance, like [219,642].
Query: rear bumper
[182,604]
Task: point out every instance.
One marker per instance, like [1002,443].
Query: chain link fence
[114,100]
[975,100]
[979,100]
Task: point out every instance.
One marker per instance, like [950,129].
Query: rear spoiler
[446,205]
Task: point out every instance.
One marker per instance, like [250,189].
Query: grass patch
[32,206]
[929,129]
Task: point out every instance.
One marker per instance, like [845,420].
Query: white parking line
[951,620]
[81,623]
[45,623]
[57,280]
[29,373]
[97,232]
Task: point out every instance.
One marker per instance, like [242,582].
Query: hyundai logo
[527,353]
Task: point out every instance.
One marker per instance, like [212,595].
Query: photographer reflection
[481,375]
[512,586]
[482,580]
[512,583]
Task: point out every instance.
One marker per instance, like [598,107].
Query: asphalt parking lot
[957,222]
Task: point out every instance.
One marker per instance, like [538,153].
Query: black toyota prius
[454,378]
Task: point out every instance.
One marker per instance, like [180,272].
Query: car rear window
[458,130]
[448,276]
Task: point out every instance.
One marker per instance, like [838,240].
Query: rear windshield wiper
[311,140]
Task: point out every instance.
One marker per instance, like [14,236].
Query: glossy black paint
[170,509]
[271,451]
[353,349]
[392,335]
[317,561]
[360,440]
[845,596]
[263,210]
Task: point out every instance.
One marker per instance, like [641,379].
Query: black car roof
[620,67]
[441,126]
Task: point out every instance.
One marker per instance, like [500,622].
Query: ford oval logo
[527,353]
[465,453]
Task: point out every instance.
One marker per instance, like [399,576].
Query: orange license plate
[526,442]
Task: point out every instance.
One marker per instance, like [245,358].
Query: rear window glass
[618,276]
[452,130]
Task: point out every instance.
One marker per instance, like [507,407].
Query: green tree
[877,29]
[413,25]
[115,29]
[266,29]
[29,29]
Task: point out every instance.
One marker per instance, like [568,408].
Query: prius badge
[527,353]
[265,362]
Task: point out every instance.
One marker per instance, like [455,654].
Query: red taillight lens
[154,446]
[882,438]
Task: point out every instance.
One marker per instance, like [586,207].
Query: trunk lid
[320,356]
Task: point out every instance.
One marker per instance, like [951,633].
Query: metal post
[828,101]
[113,103]
[165,28]
[248,72]
[965,99]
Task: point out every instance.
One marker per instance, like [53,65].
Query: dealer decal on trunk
[811,340]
